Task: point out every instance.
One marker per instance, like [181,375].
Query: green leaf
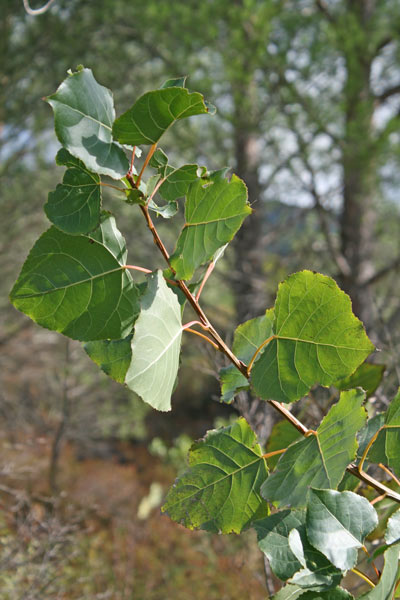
[154,112]
[247,337]
[368,376]
[84,114]
[215,210]
[392,533]
[318,460]
[177,82]
[159,161]
[337,524]
[177,182]
[220,491]
[289,592]
[272,535]
[74,206]
[292,592]
[112,356]
[167,211]
[390,575]
[78,284]
[156,345]
[367,433]
[389,438]
[336,594]
[317,573]
[283,434]
[317,339]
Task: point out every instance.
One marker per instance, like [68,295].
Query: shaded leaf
[292,592]
[177,182]
[317,573]
[156,345]
[337,524]
[220,491]
[289,592]
[336,594]
[272,535]
[283,434]
[390,575]
[386,448]
[78,284]
[392,533]
[318,460]
[177,82]
[74,206]
[112,356]
[368,376]
[317,339]
[214,212]
[84,114]
[167,211]
[247,337]
[154,112]
[367,433]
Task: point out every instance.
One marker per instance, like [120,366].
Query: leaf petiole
[256,353]
[363,576]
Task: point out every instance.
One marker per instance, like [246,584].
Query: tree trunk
[358,161]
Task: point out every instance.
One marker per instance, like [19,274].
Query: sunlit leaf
[318,460]
[156,345]
[337,524]
[220,491]
[214,212]
[154,112]
[78,284]
[74,206]
[392,533]
[247,337]
[84,114]
[317,339]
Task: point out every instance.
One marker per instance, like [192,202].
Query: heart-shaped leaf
[215,210]
[78,284]
[220,491]
[317,339]
[318,460]
[247,337]
[154,112]
[156,345]
[74,206]
[84,114]
[337,524]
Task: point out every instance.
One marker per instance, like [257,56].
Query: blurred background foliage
[308,112]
